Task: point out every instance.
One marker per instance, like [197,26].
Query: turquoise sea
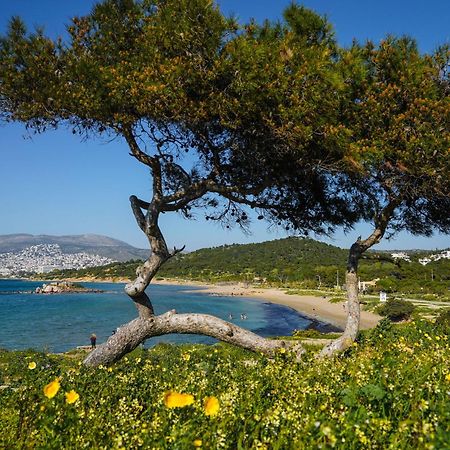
[60,322]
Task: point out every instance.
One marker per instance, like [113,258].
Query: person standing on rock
[93,341]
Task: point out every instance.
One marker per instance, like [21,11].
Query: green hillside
[294,262]
[283,260]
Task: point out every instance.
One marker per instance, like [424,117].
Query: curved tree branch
[129,336]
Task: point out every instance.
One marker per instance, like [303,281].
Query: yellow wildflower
[211,406]
[282,350]
[71,397]
[32,365]
[177,400]
[51,389]
[198,443]
[447,377]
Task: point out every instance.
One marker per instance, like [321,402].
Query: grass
[389,391]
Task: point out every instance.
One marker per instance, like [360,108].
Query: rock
[59,287]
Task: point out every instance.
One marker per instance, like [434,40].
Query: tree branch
[129,336]
[135,149]
[136,206]
[151,161]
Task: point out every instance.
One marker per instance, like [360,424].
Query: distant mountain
[92,244]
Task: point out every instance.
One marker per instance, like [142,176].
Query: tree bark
[129,336]
[353,307]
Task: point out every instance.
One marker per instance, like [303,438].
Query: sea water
[60,322]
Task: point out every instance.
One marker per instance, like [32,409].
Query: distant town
[445,254]
[44,258]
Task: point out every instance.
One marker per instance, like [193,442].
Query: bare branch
[136,151]
[175,251]
[136,206]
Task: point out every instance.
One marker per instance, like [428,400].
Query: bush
[396,309]
[443,321]
[337,299]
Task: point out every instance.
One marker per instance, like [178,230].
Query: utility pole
[337,279]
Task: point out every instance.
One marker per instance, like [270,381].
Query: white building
[401,255]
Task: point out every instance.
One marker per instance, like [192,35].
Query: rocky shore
[60,287]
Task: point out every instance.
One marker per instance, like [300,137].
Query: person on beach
[93,340]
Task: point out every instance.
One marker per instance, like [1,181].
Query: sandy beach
[317,308]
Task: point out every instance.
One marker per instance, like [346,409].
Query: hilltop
[92,244]
[283,260]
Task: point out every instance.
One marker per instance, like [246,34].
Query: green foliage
[396,309]
[400,112]
[284,260]
[336,299]
[443,321]
[389,391]
[179,76]
[314,334]
[114,272]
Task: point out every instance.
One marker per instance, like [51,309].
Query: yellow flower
[71,397]
[52,388]
[198,443]
[177,400]
[32,365]
[447,377]
[282,350]
[211,406]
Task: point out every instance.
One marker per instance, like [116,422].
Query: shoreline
[317,309]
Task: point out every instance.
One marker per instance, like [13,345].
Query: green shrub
[443,321]
[337,299]
[429,297]
[396,309]
[314,334]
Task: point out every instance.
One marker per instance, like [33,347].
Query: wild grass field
[391,390]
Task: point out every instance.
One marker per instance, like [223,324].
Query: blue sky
[55,184]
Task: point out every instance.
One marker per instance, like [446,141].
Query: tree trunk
[148,325]
[353,308]
[351,280]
